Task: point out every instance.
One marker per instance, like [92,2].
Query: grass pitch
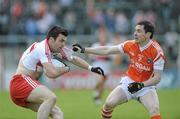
[78,104]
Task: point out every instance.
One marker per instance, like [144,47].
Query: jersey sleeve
[159,61]
[123,47]
[159,64]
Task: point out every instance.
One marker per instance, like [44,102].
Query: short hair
[148,27]
[55,31]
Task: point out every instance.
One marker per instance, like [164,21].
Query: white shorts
[124,85]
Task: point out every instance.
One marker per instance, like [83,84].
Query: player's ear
[51,39]
[148,34]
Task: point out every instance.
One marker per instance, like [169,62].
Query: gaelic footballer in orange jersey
[142,59]
[143,74]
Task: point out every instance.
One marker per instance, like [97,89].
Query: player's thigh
[150,101]
[34,106]
[39,94]
[116,97]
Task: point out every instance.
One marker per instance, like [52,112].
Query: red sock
[156,117]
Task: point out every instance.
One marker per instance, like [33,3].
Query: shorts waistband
[20,75]
[17,75]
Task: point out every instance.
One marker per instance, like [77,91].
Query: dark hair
[148,27]
[55,31]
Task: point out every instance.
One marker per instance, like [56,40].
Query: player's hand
[135,86]
[97,70]
[78,48]
[68,68]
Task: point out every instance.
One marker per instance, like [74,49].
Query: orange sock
[106,114]
[156,117]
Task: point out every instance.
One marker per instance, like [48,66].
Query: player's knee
[154,110]
[108,105]
[59,113]
[52,98]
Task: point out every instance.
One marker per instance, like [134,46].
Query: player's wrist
[142,84]
[68,68]
[89,67]
[82,50]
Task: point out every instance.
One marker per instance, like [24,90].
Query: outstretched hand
[78,48]
[135,86]
[97,70]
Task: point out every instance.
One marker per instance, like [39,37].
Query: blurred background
[108,22]
[88,21]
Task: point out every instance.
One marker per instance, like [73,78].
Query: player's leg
[116,97]
[151,102]
[98,90]
[55,113]
[47,98]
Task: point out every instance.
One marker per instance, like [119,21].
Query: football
[57,63]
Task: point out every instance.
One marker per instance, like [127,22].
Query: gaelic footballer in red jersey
[25,89]
[144,70]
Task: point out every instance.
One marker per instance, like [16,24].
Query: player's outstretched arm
[101,50]
[83,64]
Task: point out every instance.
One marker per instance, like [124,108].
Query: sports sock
[156,117]
[106,114]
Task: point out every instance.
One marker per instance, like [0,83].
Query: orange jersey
[142,59]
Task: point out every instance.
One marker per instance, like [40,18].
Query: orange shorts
[20,88]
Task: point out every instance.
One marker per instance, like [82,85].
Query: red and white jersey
[143,60]
[39,53]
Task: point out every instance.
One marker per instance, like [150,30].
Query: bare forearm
[103,50]
[56,72]
[80,62]
[52,71]
[153,80]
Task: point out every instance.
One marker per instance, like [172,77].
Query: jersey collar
[146,46]
[47,45]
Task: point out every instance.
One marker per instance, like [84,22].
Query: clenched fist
[97,70]
[135,86]
[78,48]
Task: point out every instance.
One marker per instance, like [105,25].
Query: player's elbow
[109,50]
[158,79]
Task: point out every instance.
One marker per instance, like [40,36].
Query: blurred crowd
[89,21]
[34,17]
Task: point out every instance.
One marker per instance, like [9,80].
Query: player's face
[58,43]
[139,34]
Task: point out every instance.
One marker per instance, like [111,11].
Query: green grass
[78,104]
